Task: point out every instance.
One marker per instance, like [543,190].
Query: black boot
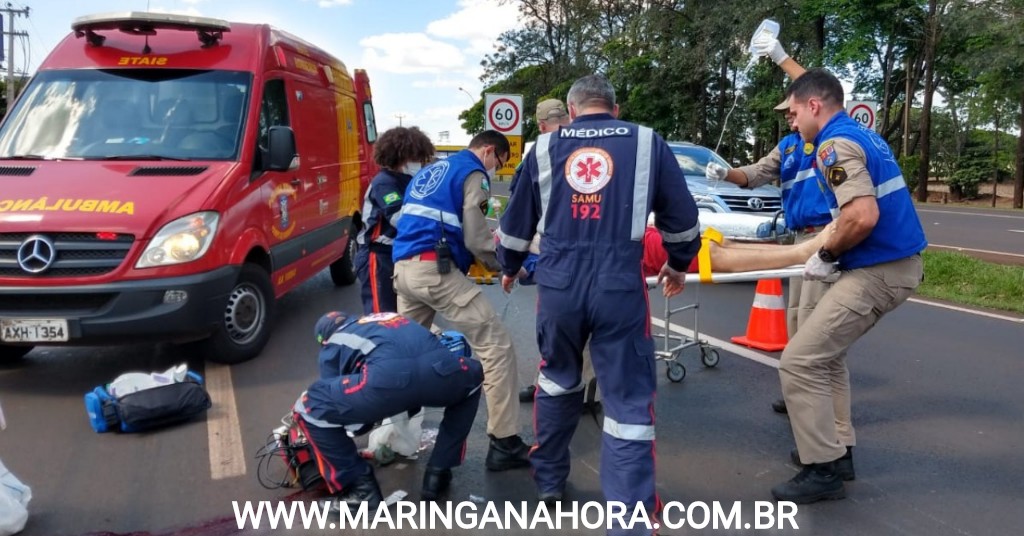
[844,465]
[507,453]
[779,406]
[526,393]
[435,482]
[364,489]
[815,482]
[550,498]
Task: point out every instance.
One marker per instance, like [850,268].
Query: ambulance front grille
[74,254]
[18,171]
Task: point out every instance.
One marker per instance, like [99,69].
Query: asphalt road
[937,404]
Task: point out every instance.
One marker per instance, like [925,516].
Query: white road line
[968,311]
[742,351]
[763,359]
[224,433]
[958,248]
[1016,230]
[973,214]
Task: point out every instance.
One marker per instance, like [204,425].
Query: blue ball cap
[327,325]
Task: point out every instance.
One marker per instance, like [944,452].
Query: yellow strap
[479,274]
[704,255]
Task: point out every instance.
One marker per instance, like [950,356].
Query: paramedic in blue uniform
[876,250]
[373,367]
[442,232]
[588,189]
[400,152]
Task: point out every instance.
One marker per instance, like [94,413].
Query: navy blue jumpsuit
[378,366]
[374,267]
[588,189]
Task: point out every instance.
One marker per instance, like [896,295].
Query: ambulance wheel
[343,270]
[675,372]
[709,357]
[244,326]
[13,353]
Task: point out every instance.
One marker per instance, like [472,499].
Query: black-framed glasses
[501,163]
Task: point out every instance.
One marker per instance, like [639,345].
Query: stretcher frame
[671,346]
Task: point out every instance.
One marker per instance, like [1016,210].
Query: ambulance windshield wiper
[142,157]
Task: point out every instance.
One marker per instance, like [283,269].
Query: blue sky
[418,53]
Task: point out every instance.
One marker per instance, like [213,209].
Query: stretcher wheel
[675,372]
[709,357]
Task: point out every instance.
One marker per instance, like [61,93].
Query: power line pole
[400,117]
[11,13]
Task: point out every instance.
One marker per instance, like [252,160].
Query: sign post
[864,113]
[504,113]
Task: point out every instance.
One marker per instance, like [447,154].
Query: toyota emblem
[36,254]
[755,203]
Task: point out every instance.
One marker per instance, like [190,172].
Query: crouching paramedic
[587,189]
[374,367]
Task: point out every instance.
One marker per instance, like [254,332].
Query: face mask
[412,168]
[491,173]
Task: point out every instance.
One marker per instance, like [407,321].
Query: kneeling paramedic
[374,367]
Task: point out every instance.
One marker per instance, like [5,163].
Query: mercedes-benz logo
[36,254]
[755,203]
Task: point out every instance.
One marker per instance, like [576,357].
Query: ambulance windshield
[119,114]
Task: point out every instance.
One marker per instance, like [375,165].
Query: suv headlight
[182,240]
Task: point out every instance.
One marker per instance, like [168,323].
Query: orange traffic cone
[767,327]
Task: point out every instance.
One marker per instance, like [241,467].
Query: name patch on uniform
[827,153]
[589,170]
[588,133]
[836,176]
[790,149]
[393,197]
[427,181]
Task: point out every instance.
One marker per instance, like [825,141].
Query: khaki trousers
[422,292]
[803,297]
[817,353]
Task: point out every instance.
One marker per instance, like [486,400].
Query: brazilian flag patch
[393,197]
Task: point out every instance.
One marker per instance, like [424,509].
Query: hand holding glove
[714,172]
[769,47]
[818,270]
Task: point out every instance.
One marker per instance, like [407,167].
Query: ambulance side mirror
[280,153]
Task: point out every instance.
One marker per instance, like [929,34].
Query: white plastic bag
[14,498]
[399,433]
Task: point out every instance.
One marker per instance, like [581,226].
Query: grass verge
[961,279]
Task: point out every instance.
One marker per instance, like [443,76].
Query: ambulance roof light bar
[209,30]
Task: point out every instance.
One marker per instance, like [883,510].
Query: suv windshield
[154,114]
[694,159]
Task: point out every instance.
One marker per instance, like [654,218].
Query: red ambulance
[165,177]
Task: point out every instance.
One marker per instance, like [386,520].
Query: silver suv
[724,196]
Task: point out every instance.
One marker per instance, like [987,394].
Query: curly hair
[399,145]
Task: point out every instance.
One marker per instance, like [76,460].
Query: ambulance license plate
[33,330]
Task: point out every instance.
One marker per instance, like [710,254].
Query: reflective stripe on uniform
[800,177]
[300,408]
[431,214]
[385,240]
[543,176]
[393,220]
[688,235]
[894,184]
[353,341]
[513,243]
[628,432]
[553,389]
[641,183]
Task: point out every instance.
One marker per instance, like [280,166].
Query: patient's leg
[740,257]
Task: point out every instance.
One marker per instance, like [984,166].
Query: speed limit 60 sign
[863,112]
[504,113]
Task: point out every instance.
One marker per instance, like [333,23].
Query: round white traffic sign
[503,115]
[864,115]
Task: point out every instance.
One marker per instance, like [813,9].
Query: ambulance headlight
[182,240]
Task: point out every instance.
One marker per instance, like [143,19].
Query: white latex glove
[769,47]
[818,270]
[714,172]
[674,281]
